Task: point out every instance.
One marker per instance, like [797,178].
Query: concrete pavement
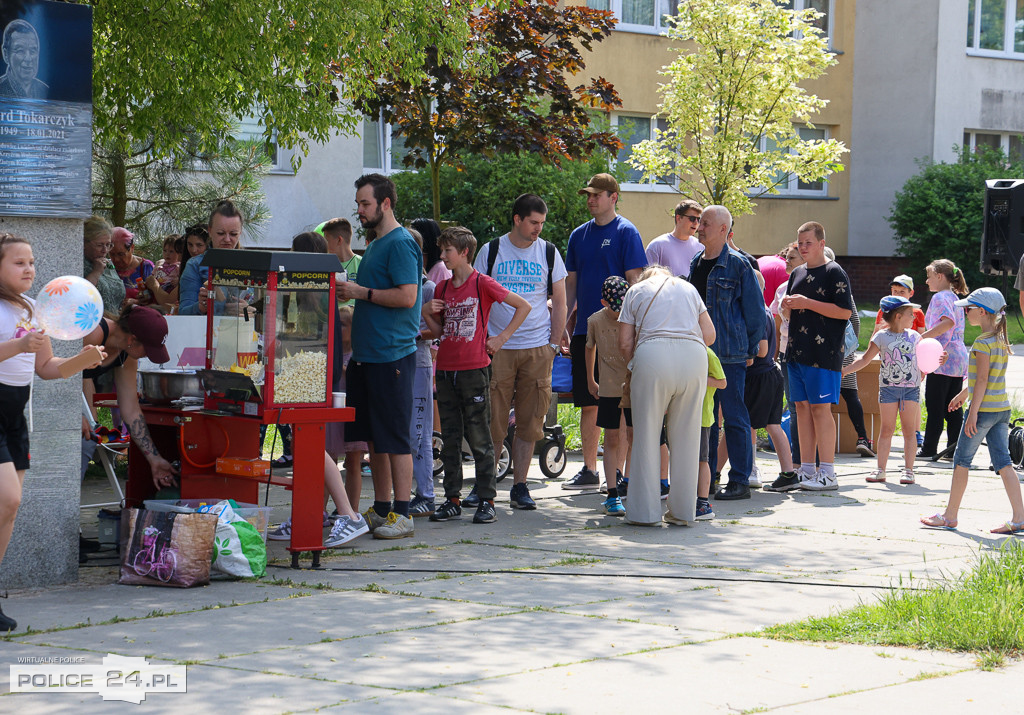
[561,609]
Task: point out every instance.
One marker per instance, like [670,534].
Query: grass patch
[569,419]
[979,613]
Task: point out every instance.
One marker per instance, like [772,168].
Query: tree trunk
[119,202]
[435,187]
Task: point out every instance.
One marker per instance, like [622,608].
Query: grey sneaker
[282,532]
[346,529]
[373,519]
[395,526]
[421,506]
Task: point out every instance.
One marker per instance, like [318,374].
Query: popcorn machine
[270,339]
[269,360]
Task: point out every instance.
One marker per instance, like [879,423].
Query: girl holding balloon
[989,415]
[944,322]
[899,383]
[24,349]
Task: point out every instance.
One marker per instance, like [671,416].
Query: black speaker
[1002,238]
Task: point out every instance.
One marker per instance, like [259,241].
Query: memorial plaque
[46,109]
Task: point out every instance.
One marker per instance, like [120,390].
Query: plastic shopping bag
[238,549]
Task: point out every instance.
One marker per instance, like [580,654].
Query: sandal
[938,521]
[1009,528]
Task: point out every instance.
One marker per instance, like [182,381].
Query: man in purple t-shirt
[607,245]
[676,250]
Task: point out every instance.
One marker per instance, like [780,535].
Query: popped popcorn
[301,378]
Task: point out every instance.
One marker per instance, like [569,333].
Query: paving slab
[965,693]
[266,626]
[731,675]
[450,653]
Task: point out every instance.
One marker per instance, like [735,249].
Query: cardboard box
[243,467]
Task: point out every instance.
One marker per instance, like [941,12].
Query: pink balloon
[929,352]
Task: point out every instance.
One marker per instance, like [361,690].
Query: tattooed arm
[128,402]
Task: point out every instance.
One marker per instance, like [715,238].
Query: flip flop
[938,521]
[1009,528]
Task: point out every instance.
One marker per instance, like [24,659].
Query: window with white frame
[383,147]
[632,130]
[1012,144]
[638,15]
[251,129]
[824,22]
[791,184]
[995,28]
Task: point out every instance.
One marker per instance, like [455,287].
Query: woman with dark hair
[432,263]
[196,240]
[225,232]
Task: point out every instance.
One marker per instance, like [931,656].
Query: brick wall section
[870,276]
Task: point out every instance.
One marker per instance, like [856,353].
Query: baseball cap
[149,327]
[613,291]
[599,183]
[903,280]
[988,298]
[892,302]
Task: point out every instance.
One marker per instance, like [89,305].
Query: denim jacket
[735,305]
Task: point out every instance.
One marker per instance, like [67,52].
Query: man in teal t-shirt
[385,324]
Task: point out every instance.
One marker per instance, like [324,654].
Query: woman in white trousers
[664,329]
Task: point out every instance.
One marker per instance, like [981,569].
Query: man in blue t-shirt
[607,245]
[385,323]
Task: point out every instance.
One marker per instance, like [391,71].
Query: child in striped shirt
[989,415]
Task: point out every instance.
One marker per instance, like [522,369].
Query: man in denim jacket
[730,291]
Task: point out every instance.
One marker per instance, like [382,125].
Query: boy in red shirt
[458,315]
[903,286]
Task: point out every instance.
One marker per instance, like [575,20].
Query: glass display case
[270,337]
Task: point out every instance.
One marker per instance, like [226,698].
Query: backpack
[549,253]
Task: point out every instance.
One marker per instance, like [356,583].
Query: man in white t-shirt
[527,265]
[676,250]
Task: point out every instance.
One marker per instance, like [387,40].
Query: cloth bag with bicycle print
[161,548]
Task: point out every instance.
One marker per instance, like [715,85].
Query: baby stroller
[551,449]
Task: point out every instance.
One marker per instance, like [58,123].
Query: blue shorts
[899,394]
[994,428]
[815,385]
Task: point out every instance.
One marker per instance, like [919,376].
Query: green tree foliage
[171,79]
[164,195]
[939,212]
[479,196]
[521,102]
[731,97]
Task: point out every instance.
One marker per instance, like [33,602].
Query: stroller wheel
[552,459]
[504,461]
[436,445]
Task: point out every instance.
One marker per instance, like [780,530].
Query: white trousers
[669,376]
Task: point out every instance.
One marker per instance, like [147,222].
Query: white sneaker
[281,533]
[907,476]
[755,478]
[821,483]
[346,529]
[875,475]
[806,478]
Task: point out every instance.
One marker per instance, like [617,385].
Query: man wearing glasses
[676,250]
